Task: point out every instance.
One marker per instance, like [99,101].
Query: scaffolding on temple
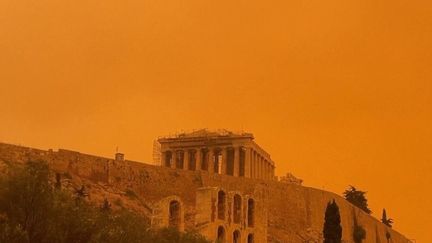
[156,153]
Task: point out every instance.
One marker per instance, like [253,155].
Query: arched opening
[251,212]
[204,159]
[174,214]
[250,238]
[168,158]
[221,204]
[230,161]
[192,160]
[220,235]
[179,159]
[237,208]
[236,237]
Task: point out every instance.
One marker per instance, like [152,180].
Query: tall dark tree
[332,228]
[358,198]
[385,220]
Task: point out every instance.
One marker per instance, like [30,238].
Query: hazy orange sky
[339,92]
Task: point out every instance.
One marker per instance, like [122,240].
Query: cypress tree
[385,220]
[332,228]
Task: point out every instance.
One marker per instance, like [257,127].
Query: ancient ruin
[220,184]
[221,152]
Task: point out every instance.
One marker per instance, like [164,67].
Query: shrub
[359,234]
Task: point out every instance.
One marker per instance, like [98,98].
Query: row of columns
[246,162]
[261,168]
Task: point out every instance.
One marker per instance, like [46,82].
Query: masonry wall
[295,213]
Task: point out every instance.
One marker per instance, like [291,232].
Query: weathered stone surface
[290,178]
[285,212]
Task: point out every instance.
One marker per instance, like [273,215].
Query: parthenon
[221,152]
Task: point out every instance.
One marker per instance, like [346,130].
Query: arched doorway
[237,208]
[221,204]
[250,238]
[220,235]
[174,214]
[251,212]
[236,237]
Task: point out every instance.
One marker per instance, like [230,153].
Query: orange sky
[339,92]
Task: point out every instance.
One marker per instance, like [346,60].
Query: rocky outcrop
[295,213]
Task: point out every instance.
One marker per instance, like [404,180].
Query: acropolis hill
[220,183]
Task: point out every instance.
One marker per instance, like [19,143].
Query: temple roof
[209,133]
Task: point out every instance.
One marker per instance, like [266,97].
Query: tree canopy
[358,198]
[33,209]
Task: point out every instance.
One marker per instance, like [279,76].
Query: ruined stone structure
[221,207]
[230,216]
[220,152]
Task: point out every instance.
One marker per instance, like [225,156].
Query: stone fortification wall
[295,213]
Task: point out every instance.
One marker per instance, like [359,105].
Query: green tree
[26,199]
[385,220]
[332,228]
[31,210]
[357,198]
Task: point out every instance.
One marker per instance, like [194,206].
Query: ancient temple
[222,152]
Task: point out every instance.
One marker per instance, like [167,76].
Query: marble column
[198,159]
[255,164]
[162,158]
[186,160]
[210,161]
[173,159]
[266,171]
[236,161]
[261,167]
[247,164]
[273,172]
[224,161]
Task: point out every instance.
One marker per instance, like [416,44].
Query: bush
[32,211]
[358,198]
[359,234]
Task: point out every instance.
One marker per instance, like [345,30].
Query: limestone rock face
[285,211]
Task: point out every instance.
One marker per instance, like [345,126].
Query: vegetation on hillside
[359,233]
[33,209]
[357,198]
[385,220]
[332,224]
